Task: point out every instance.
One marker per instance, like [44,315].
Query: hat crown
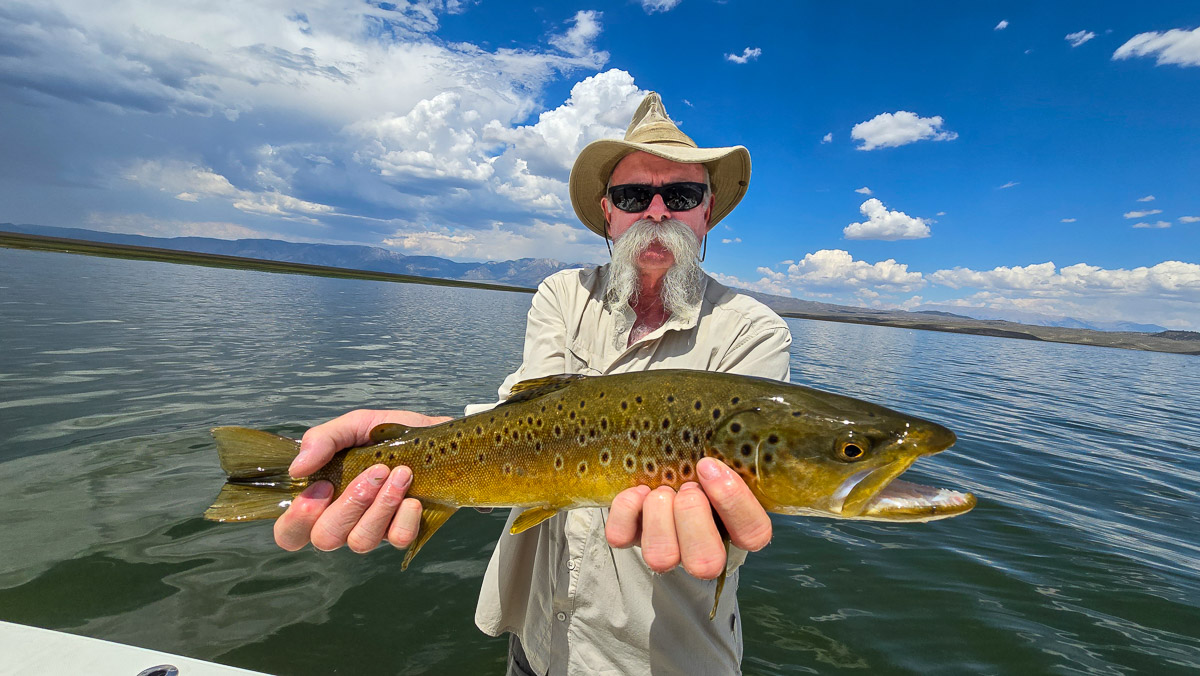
[651,124]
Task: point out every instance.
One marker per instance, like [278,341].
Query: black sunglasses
[635,197]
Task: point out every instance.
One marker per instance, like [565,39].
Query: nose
[657,211]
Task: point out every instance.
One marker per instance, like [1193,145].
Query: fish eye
[851,451]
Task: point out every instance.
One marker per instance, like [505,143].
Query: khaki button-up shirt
[578,605]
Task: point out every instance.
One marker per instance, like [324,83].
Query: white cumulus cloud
[1069,220]
[1177,46]
[1147,198]
[1142,214]
[748,54]
[1002,25]
[1008,185]
[579,38]
[886,225]
[827,138]
[1079,37]
[1156,224]
[889,130]
[1189,219]
[863,190]
[654,6]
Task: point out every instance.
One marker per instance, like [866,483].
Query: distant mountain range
[529,272]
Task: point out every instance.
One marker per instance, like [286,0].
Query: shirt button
[562,617]
[570,565]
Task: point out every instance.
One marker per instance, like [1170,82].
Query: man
[599,591]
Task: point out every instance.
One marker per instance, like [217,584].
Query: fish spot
[708,434]
[572,415]
[687,435]
[699,405]
[633,435]
[737,464]
[539,422]
[735,428]
[601,395]
[645,424]
[558,462]
[558,431]
[670,399]
[378,454]
[507,469]
[543,408]
[669,451]
[506,413]
[538,447]
[582,403]
[516,435]
[768,458]
[605,457]
[480,457]
[624,405]
[417,441]
[391,456]
[747,449]
[773,439]
[797,414]
[716,413]
[754,470]
[582,469]
[638,399]
[630,463]
[685,470]
[735,401]
[582,438]
[529,436]
[479,429]
[428,458]
[529,420]
[604,424]
[560,407]
[497,437]
[669,475]
[649,466]
[454,445]
[441,450]
[666,423]
[592,433]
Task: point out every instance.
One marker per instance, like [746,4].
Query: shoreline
[925,322]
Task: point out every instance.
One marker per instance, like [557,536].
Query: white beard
[681,286]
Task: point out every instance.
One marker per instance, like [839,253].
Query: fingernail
[402,477]
[377,474]
[299,459]
[709,468]
[321,490]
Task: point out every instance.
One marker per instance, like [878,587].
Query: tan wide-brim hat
[653,132]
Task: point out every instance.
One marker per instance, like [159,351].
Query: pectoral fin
[531,517]
[388,431]
[432,518]
[720,582]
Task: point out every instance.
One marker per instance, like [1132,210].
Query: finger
[701,548]
[370,529]
[744,517]
[293,527]
[335,523]
[660,547]
[624,517]
[319,443]
[406,524]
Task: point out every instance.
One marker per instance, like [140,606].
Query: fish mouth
[877,495]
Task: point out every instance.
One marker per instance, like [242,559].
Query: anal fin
[432,518]
[720,582]
[531,517]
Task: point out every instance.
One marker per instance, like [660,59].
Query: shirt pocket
[580,360]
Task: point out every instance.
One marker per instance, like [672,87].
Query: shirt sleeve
[765,353]
[545,343]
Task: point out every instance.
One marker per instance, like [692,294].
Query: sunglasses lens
[682,196]
[632,198]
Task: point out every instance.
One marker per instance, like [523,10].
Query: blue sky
[1033,157]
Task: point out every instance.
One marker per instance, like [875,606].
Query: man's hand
[372,505]
[679,527]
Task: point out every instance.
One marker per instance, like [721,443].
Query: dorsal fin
[536,387]
[387,432]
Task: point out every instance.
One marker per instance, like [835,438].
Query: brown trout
[572,441]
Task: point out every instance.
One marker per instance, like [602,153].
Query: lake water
[1083,555]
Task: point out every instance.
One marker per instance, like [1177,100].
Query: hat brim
[728,172]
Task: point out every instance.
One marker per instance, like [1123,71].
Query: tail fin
[257,464]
